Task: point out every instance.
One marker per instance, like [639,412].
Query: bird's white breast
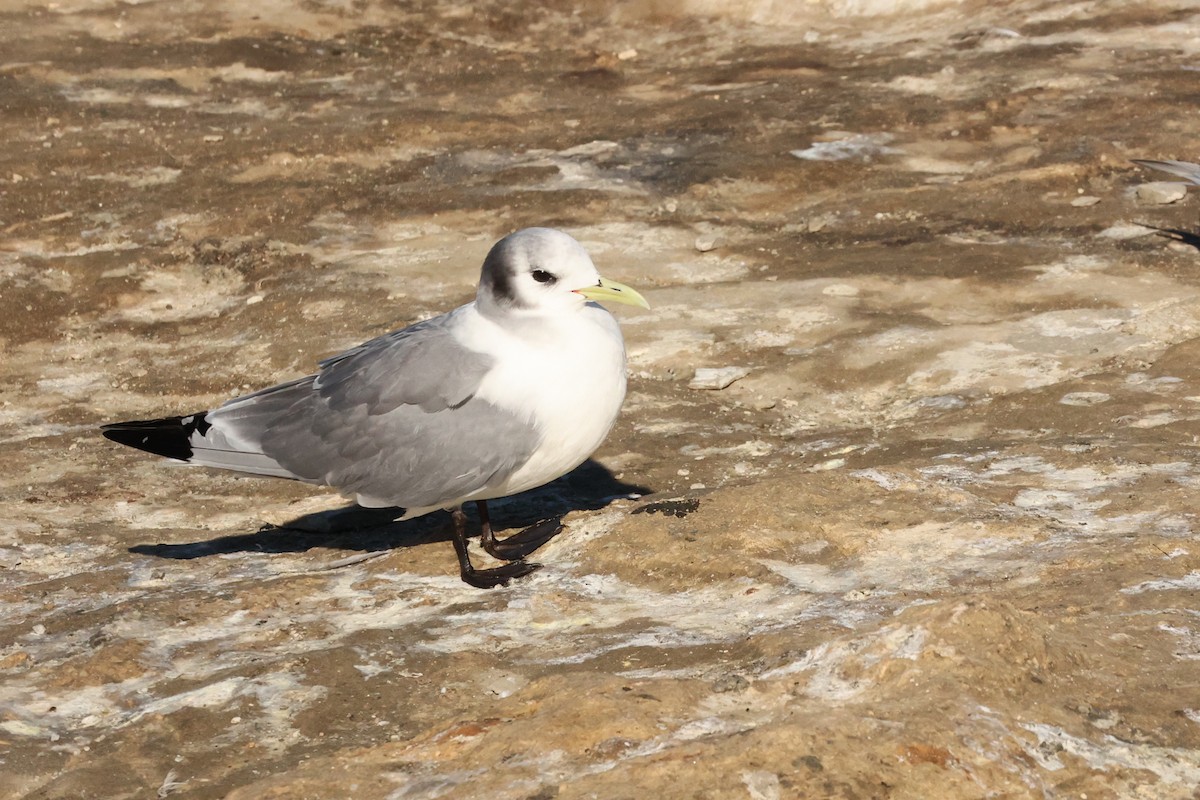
[566,375]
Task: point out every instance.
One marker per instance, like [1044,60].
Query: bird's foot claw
[522,544]
[498,576]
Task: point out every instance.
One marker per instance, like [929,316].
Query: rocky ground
[937,539]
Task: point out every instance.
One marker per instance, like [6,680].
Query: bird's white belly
[570,390]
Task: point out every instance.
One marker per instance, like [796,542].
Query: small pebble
[254,299]
[213,138]
[1084,201]
[717,377]
[626,55]
[706,243]
[1161,193]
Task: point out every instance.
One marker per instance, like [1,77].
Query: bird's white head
[542,270]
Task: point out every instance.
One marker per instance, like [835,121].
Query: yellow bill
[616,292]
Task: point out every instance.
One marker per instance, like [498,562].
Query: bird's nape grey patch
[498,275]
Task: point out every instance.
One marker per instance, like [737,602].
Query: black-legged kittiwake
[501,395]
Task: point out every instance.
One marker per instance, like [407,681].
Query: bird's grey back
[395,421]
[422,365]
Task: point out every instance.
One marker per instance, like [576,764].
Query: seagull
[1191,174]
[1182,169]
[498,396]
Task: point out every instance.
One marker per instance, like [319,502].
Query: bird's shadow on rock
[589,487]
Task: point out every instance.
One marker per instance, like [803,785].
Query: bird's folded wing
[394,421]
[1182,169]
[424,365]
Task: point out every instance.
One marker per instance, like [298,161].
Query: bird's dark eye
[541,276]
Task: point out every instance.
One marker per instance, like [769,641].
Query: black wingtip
[168,437]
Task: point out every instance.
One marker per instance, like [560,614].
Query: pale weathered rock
[1084,398]
[848,146]
[1161,192]
[716,377]
[1125,230]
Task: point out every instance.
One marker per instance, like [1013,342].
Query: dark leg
[483,578]
[518,545]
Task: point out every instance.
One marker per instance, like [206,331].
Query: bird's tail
[195,440]
[1182,169]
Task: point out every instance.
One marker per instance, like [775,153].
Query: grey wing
[407,457]
[1182,169]
[422,365]
[394,421]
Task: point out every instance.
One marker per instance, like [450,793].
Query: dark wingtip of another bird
[169,437]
